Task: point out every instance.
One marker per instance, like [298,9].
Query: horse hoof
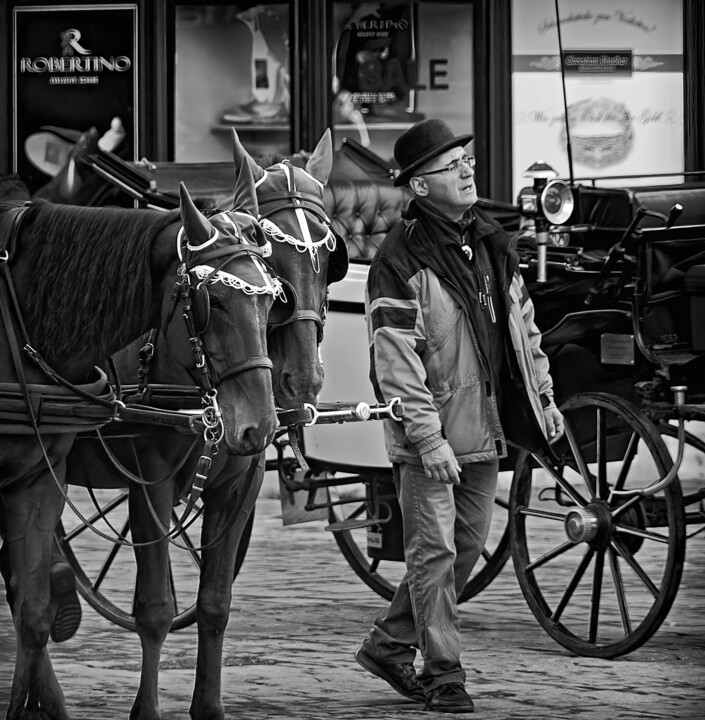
[67,618]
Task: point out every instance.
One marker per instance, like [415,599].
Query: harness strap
[5,289]
[249,364]
[288,200]
[230,252]
[302,315]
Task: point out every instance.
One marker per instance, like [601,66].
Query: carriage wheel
[106,572]
[599,571]
[383,575]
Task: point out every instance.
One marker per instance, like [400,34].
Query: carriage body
[627,366]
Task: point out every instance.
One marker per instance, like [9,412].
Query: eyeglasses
[453,168]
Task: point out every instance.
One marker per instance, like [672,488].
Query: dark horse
[304,252]
[77,285]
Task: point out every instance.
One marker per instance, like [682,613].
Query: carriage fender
[525,338]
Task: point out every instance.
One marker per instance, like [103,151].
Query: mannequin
[269,67]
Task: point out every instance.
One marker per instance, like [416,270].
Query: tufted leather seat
[363,212]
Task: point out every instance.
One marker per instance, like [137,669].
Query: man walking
[452,333]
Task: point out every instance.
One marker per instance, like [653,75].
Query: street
[299,612]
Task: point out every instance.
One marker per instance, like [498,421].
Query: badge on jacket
[468,251]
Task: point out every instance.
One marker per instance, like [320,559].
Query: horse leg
[224,501]
[6,573]
[32,512]
[154,603]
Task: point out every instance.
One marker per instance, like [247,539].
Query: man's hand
[554,423]
[440,464]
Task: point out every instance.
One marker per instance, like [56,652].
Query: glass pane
[231,70]
[395,63]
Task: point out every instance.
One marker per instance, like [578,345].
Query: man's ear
[418,186]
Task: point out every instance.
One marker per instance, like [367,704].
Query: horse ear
[241,155]
[245,197]
[198,229]
[320,163]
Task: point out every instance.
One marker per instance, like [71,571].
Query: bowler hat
[420,143]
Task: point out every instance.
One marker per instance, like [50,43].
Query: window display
[398,62]
[231,70]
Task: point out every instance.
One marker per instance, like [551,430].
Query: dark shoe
[67,618]
[401,676]
[450,698]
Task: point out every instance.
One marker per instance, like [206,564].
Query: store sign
[376,55]
[598,62]
[73,67]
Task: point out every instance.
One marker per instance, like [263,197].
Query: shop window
[231,69]
[394,63]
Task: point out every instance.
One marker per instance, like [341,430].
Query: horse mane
[91,276]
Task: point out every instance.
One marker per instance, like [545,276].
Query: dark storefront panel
[72,67]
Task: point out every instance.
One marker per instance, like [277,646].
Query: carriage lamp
[531,202]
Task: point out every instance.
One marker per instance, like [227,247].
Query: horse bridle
[275,202]
[189,296]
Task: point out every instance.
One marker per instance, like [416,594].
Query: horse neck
[90,344]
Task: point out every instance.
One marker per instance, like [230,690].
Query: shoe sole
[68,607]
[460,709]
[371,666]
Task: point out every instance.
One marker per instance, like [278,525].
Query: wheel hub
[590,524]
[581,525]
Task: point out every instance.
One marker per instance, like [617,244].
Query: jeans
[445,529]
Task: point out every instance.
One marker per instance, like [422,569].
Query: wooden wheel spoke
[550,555]
[581,466]
[567,487]
[627,461]
[629,558]
[374,565]
[98,515]
[110,558]
[619,591]
[544,514]
[188,543]
[644,534]
[599,489]
[501,502]
[596,595]
[573,583]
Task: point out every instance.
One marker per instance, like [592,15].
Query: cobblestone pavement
[299,613]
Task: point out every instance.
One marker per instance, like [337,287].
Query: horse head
[307,253]
[229,293]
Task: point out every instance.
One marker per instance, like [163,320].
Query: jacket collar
[478,226]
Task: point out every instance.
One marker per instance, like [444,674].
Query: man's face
[451,192]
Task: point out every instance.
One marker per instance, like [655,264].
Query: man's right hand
[440,464]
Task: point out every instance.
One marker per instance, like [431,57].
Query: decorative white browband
[266,248]
[272,285]
[306,245]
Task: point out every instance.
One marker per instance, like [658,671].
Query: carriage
[597,532]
